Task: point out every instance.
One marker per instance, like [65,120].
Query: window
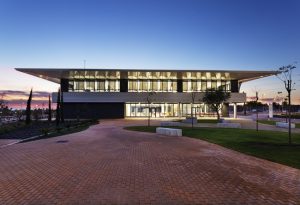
[164,86]
[90,86]
[185,86]
[111,85]
[80,85]
[174,85]
[144,85]
[133,87]
[228,85]
[213,85]
[194,86]
[203,86]
[223,85]
[71,86]
[155,86]
[101,85]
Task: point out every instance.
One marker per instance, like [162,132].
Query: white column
[270,110]
[234,111]
[138,86]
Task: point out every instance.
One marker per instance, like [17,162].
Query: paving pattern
[108,165]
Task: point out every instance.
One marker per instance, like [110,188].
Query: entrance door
[153,111]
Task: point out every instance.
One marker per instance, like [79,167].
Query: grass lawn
[63,131]
[207,121]
[202,121]
[272,122]
[11,126]
[20,130]
[268,145]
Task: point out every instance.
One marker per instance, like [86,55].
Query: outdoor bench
[169,131]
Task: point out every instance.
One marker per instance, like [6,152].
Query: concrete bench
[229,125]
[168,131]
[284,125]
[190,120]
[224,121]
[168,123]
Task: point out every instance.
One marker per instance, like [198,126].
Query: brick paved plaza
[108,165]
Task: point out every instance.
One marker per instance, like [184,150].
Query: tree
[149,101]
[62,107]
[285,75]
[2,107]
[49,110]
[28,108]
[215,99]
[193,97]
[58,108]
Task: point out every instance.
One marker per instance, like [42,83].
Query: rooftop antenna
[84,61]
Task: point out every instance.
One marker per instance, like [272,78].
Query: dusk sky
[147,34]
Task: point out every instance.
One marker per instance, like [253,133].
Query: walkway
[108,165]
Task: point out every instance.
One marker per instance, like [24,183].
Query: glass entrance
[157,110]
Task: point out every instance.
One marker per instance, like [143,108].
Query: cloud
[19,93]
[18,98]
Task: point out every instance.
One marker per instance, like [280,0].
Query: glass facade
[94,86]
[94,81]
[156,110]
[146,81]
[203,85]
[94,74]
[160,75]
[167,110]
[152,86]
[154,81]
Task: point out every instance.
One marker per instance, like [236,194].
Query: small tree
[285,75]
[58,108]
[28,108]
[49,110]
[193,98]
[215,99]
[2,106]
[149,101]
[62,107]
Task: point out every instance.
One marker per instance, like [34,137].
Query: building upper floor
[112,80]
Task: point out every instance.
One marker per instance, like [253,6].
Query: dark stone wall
[123,85]
[64,84]
[234,86]
[179,85]
[93,110]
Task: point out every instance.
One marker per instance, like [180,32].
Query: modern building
[111,93]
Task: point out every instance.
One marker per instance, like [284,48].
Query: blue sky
[171,34]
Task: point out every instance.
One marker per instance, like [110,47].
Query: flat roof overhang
[55,74]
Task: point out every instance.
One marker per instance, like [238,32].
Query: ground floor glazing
[166,110]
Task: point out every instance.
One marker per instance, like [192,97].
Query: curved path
[109,165]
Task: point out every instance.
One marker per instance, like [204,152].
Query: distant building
[110,93]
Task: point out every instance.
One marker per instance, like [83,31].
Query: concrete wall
[93,110]
[121,97]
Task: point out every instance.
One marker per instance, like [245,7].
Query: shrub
[58,129]
[68,126]
[45,131]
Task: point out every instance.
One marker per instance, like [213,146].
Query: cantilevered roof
[55,74]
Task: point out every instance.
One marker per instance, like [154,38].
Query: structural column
[225,112]
[234,110]
[271,110]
